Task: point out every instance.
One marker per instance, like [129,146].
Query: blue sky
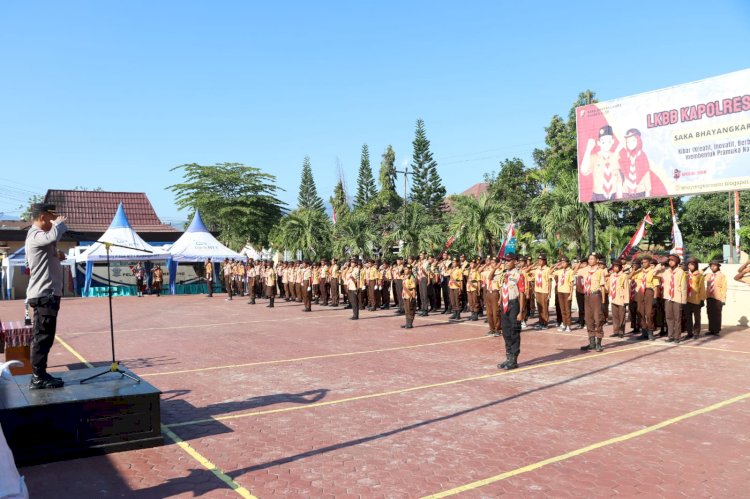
[114,94]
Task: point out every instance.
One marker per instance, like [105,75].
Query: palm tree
[559,212]
[418,232]
[355,234]
[612,240]
[480,222]
[308,231]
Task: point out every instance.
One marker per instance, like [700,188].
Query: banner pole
[592,241]
[731,231]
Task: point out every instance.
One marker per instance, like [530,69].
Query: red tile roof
[476,190]
[92,211]
[14,224]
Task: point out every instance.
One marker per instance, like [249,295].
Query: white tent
[18,260]
[124,244]
[196,245]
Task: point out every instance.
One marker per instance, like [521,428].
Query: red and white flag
[737,224]
[677,246]
[453,238]
[509,244]
[637,237]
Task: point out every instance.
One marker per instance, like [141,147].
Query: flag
[677,247]
[334,215]
[737,224]
[637,237]
[509,244]
[453,238]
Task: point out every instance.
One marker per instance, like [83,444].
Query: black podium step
[108,414]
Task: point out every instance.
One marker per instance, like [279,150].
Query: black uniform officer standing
[45,287]
[511,311]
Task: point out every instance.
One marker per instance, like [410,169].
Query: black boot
[591,345]
[512,363]
[644,334]
[446,310]
[650,335]
[598,345]
[410,324]
[473,317]
[503,365]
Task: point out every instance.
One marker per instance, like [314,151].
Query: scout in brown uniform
[605,292]
[593,287]
[541,291]
[495,280]
[696,296]
[513,284]
[333,285]
[564,279]
[444,270]
[409,295]
[352,287]
[464,264]
[385,285]
[716,297]
[270,283]
[455,285]
[619,297]
[158,279]
[252,282]
[635,323]
[398,282]
[529,270]
[209,273]
[484,276]
[646,283]
[306,286]
[324,282]
[227,268]
[472,290]
[674,281]
[298,280]
[423,271]
[580,297]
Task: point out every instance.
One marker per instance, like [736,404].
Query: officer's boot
[591,345]
[458,316]
[512,363]
[473,316]
[598,345]
[272,298]
[504,364]
[409,323]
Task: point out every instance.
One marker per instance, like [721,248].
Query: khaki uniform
[619,297]
[696,296]
[716,297]
[541,293]
[594,284]
[675,284]
[565,280]
[456,285]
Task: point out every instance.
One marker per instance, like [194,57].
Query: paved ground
[276,402]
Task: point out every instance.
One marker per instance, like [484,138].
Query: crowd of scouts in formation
[660,296]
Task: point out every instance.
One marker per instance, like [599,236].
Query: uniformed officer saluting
[511,311]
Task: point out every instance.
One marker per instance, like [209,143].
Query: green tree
[387,199]
[705,223]
[308,198]
[355,235]
[237,201]
[306,230]
[479,222]
[339,202]
[512,187]
[365,181]
[559,213]
[418,232]
[427,188]
[26,215]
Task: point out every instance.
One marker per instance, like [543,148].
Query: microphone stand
[115,366]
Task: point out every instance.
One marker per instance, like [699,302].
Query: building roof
[476,190]
[93,211]
[14,224]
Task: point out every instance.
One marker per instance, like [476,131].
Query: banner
[683,140]
[637,237]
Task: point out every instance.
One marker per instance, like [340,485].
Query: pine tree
[308,198]
[388,198]
[338,200]
[365,181]
[427,187]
